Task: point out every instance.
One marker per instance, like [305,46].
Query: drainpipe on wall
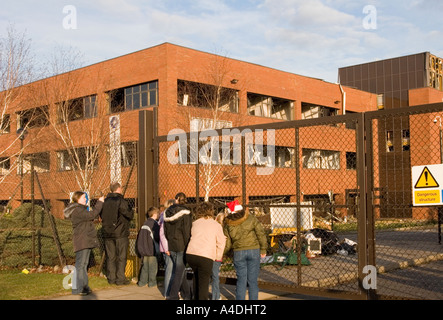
[343,99]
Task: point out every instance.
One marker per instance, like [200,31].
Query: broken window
[5,165]
[77,109]
[389,141]
[41,162]
[33,118]
[405,140]
[200,95]
[271,107]
[312,111]
[271,156]
[117,100]
[211,150]
[135,97]
[321,159]
[84,158]
[285,157]
[128,153]
[5,124]
[201,124]
[64,162]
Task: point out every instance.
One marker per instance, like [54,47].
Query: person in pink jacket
[206,245]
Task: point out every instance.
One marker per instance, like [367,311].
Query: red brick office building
[160,77]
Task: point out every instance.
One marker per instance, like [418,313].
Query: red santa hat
[234,206]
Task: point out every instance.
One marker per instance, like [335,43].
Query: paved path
[409,264]
[133,292]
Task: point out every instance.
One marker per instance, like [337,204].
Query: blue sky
[308,37]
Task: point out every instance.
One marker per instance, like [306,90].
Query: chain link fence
[333,194]
[407,234]
[33,232]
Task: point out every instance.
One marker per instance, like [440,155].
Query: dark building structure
[398,82]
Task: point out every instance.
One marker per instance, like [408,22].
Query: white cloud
[283,34]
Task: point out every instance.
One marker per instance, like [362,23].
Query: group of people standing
[196,237]
[115,214]
[200,238]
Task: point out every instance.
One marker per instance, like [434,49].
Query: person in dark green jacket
[246,236]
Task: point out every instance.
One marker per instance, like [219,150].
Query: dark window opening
[33,118]
[5,124]
[134,97]
[271,107]
[77,109]
[351,160]
[200,95]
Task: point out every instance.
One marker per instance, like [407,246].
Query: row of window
[189,93]
[68,160]
[266,156]
[193,94]
[130,98]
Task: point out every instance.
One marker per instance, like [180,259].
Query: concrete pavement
[133,292]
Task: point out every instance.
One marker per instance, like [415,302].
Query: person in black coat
[116,216]
[178,222]
[84,237]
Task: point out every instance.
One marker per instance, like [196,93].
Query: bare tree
[16,70]
[80,130]
[209,105]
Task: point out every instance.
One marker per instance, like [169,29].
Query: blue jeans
[81,272]
[148,272]
[168,273]
[178,272]
[247,267]
[216,280]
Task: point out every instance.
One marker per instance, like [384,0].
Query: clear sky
[307,37]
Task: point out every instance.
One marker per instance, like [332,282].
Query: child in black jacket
[147,248]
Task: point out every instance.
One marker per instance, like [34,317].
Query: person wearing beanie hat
[246,237]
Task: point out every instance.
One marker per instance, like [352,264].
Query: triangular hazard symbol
[426,180]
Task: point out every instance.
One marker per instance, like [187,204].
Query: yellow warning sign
[427,197]
[426,180]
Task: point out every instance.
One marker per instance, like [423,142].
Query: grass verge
[15,285]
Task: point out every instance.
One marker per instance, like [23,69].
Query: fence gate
[407,246]
[337,191]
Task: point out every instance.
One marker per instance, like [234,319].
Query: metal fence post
[243,170]
[145,170]
[298,196]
